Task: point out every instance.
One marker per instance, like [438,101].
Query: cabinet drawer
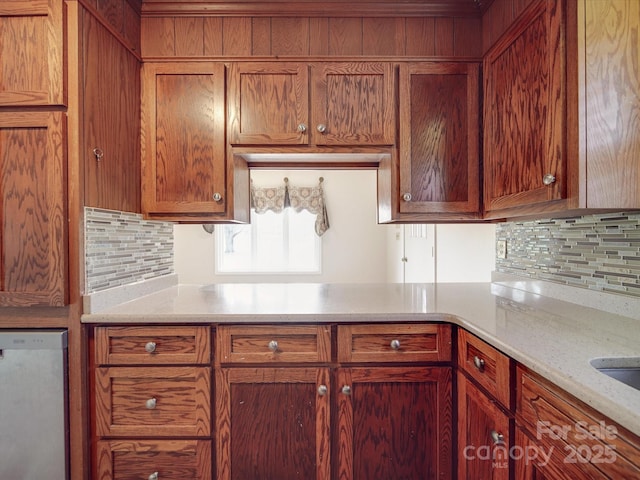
[162,401]
[166,459]
[273,344]
[394,343]
[486,365]
[152,345]
[574,432]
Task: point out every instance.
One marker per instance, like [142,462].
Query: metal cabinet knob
[273,346]
[151,403]
[150,347]
[98,153]
[548,179]
[154,476]
[497,438]
[217,197]
[302,128]
[395,344]
[346,390]
[406,197]
[322,128]
[478,362]
[322,390]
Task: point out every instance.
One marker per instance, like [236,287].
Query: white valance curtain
[276,199]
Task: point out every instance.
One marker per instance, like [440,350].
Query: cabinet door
[483,435]
[439,139]
[31,52]
[272,423]
[268,103]
[111,92]
[153,459]
[352,104]
[394,422]
[33,253]
[183,158]
[524,124]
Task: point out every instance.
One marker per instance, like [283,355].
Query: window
[284,242]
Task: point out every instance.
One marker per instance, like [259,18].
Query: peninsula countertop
[552,337]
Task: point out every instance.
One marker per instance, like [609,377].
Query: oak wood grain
[171,459]
[33,253]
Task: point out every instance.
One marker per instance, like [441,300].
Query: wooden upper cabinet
[33,251]
[439,141]
[333,104]
[268,103]
[183,141]
[111,120]
[352,104]
[525,112]
[31,53]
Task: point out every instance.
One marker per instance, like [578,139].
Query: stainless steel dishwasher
[33,399]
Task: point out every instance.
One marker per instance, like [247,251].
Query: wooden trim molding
[382,8]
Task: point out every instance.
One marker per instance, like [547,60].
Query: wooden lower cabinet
[272,423]
[393,422]
[154,459]
[558,437]
[484,437]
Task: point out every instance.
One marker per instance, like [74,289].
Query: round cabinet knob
[478,362]
[217,197]
[406,197]
[548,179]
[151,403]
[150,347]
[154,476]
[322,390]
[273,346]
[496,437]
[346,390]
[98,153]
[322,128]
[302,128]
[395,344]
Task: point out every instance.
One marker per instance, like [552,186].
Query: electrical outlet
[501,249]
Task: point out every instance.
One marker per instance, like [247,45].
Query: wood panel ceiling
[318,8]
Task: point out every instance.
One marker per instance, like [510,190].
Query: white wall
[354,249]
[465,252]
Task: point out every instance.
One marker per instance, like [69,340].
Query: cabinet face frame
[32,34]
[502,64]
[440,173]
[213,131]
[39,241]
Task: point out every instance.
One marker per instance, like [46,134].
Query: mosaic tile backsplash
[123,248]
[598,252]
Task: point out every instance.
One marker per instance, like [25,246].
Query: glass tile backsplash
[598,252]
[123,248]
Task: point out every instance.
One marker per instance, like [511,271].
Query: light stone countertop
[552,337]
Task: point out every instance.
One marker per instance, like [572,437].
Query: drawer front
[152,345]
[576,434]
[156,401]
[394,343]
[273,344]
[161,459]
[486,365]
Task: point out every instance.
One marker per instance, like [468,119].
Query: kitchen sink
[625,370]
